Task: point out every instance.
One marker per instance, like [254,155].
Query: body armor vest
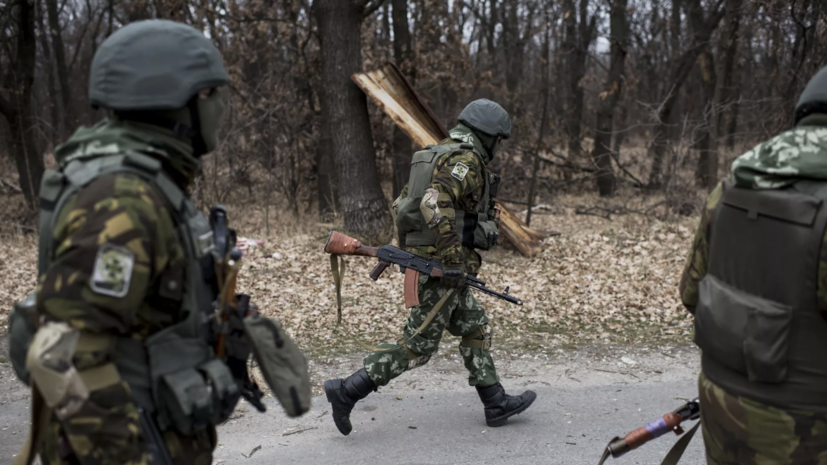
[174,373]
[757,320]
[477,229]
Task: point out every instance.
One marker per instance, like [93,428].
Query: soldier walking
[446,212]
[756,281]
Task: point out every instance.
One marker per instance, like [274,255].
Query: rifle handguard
[640,436]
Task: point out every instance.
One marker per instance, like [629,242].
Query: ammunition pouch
[477,231]
[282,364]
[22,327]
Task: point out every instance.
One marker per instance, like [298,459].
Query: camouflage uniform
[461,314]
[738,429]
[119,211]
[116,265]
[449,186]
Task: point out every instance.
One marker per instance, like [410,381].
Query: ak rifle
[410,264]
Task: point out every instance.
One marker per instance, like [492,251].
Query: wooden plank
[393,94]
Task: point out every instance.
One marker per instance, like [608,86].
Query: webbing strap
[675,454]
[337,267]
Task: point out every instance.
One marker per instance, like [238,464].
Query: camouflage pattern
[460,315]
[739,431]
[124,212]
[782,160]
[459,181]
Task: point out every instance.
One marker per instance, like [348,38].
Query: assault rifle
[670,422]
[410,264]
[231,307]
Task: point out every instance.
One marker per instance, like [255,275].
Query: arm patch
[113,270]
[460,171]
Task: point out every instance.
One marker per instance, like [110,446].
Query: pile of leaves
[608,280]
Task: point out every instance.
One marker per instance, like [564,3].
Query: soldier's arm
[696,263]
[457,175]
[109,240]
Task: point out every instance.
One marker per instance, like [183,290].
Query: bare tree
[16,95]
[404,54]
[579,35]
[363,204]
[613,89]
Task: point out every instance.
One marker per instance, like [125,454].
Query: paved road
[579,408]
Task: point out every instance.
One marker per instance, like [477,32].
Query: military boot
[499,406]
[343,395]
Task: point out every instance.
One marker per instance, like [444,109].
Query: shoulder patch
[460,171]
[113,270]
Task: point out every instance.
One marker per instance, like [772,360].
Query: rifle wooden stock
[342,244]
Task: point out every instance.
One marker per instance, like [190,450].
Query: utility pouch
[22,327]
[486,235]
[281,362]
[746,333]
[187,400]
[225,390]
[408,215]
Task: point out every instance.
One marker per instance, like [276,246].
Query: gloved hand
[453,277]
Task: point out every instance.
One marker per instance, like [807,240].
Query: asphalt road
[434,418]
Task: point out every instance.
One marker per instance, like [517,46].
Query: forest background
[625,113]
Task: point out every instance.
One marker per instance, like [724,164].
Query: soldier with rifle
[135,343]
[756,281]
[444,214]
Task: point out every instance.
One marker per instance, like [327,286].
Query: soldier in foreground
[445,212]
[756,281]
[124,365]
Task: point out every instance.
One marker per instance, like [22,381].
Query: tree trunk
[706,173]
[578,38]
[363,204]
[68,121]
[18,108]
[546,84]
[401,148]
[700,36]
[514,47]
[726,89]
[601,153]
[51,103]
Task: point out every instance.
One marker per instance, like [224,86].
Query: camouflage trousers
[460,315]
[744,432]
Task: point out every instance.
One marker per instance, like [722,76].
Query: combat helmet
[814,97]
[486,117]
[149,67]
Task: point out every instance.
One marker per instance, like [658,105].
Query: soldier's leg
[391,360]
[470,321]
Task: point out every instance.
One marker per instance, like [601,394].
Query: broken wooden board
[395,96]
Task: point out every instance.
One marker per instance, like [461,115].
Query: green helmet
[154,65]
[486,117]
[814,97]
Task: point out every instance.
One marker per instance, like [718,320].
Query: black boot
[343,395]
[499,405]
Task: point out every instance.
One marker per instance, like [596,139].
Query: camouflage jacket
[454,194]
[126,214]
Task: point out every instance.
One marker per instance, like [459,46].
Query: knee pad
[479,339]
